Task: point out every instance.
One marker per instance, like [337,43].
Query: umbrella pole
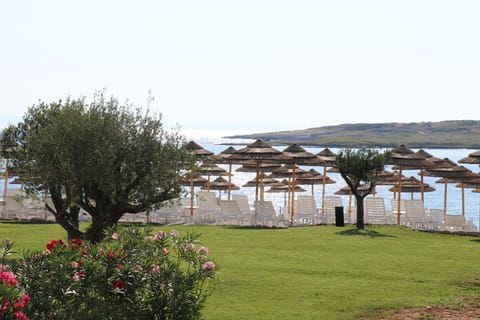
[422,189]
[293,195]
[445,198]
[229,181]
[312,190]
[5,181]
[463,199]
[289,198]
[256,181]
[192,190]
[324,182]
[399,194]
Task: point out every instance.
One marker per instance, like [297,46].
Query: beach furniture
[265,215]
[374,210]
[209,211]
[453,222]
[306,212]
[415,216]
[232,214]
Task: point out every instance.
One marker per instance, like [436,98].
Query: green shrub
[130,275]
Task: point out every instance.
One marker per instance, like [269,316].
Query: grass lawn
[321,272]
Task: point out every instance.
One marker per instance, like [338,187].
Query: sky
[247,66]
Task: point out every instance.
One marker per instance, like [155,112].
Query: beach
[213,141]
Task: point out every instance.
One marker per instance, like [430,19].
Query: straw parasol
[330,158]
[221,184]
[198,152]
[299,156]
[222,158]
[404,157]
[210,169]
[452,173]
[284,186]
[259,151]
[473,158]
[288,171]
[313,177]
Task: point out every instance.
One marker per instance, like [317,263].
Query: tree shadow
[364,233]
[476,240]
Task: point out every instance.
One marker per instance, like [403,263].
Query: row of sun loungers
[210,210]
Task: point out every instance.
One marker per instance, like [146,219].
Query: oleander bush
[133,274]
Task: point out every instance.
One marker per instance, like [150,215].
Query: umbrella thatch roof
[328,156]
[221,184]
[196,150]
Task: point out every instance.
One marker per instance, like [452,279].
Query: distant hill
[443,134]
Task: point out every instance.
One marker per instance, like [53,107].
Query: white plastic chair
[305,210]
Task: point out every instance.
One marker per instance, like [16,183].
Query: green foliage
[132,274]
[359,168]
[104,157]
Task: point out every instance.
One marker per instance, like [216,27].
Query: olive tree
[105,157]
[360,169]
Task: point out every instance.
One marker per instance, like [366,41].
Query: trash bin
[339,219]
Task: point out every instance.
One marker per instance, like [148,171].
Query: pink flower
[209,265]
[118,284]
[156,269]
[74,264]
[173,233]
[165,250]
[25,298]
[190,247]
[120,266]
[115,236]
[159,235]
[77,276]
[19,305]
[203,251]
[20,316]
[8,278]
[52,245]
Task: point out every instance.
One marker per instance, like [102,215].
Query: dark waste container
[339,219]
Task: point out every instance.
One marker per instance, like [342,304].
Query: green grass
[322,272]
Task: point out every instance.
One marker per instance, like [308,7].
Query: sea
[216,142]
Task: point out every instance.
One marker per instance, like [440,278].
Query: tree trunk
[360,220]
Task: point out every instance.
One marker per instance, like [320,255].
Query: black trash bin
[339,218]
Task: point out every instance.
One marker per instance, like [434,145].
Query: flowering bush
[12,298]
[132,274]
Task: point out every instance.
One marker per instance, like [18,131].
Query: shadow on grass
[476,240]
[364,233]
[27,222]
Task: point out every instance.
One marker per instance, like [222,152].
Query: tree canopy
[104,157]
[359,168]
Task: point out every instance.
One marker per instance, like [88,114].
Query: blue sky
[248,65]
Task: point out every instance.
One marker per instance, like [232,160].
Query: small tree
[360,168]
[106,158]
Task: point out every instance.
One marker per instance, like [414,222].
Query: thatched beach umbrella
[198,152]
[223,158]
[330,159]
[402,156]
[299,156]
[259,151]
[313,177]
[453,173]
[221,184]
